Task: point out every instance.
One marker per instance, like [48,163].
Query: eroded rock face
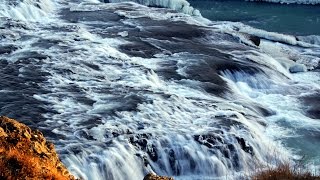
[152,176]
[25,154]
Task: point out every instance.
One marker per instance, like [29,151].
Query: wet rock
[265,111]
[7,49]
[83,134]
[25,154]
[152,152]
[31,55]
[140,49]
[216,142]
[209,140]
[317,67]
[298,68]
[46,43]
[141,142]
[10,23]
[173,162]
[152,176]
[244,146]
[255,39]
[312,104]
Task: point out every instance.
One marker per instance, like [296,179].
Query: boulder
[152,176]
[298,68]
[255,39]
[25,154]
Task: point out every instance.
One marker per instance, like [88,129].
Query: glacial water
[127,88]
[295,19]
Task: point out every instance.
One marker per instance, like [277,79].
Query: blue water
[290,19]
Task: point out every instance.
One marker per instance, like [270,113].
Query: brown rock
[2,133]
[152,176]
[25,154]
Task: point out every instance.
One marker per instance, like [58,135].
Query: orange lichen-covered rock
[152,176]
[25,154]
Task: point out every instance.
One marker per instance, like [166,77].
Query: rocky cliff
[25,154]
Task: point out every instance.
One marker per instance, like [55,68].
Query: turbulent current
[124,89]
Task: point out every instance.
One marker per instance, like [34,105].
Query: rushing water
[124,89]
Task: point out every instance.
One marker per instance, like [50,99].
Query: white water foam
[28,10]
[188,111]
[286,54]
[90,80]
[283,99]
[178,5]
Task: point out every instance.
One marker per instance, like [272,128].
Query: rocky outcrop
[25,154]
[152,176]
[255,39]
